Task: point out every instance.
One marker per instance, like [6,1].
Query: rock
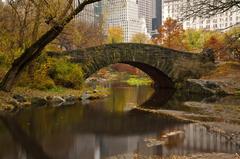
[7,107]
[91,95]
[85,101]
[207,87]
[25,104]
[85,96]
[70,100]
[95,91]
[19,98]
[38,101]
[211,99]
[208,54]
[14,102]
[55,100]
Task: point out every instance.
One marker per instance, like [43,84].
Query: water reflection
[104,128]
[31,148]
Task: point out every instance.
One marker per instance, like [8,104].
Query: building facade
[174,9]
[157,15]
[90,14]
[145,10]
[124,14]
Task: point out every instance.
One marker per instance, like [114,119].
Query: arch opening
[160,79]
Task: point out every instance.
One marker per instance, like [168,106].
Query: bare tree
[57,21]
[207,8]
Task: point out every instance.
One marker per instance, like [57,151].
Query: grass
[238,92]
[136,80]
[56,90]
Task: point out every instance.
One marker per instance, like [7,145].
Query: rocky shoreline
[15,102]
[193,156]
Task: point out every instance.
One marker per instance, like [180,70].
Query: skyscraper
[90,14]
[157,15]
[124,14]
[145,10]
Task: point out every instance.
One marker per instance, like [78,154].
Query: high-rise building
[124,14]
[90,14]
[97,11]
[145,10]
[157,15]
[174,8]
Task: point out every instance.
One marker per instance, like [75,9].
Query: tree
[170,35]
[115,35]
[216,43]
[194,40]
[57,20]
[80,35]
[140,38]
[232,42]
[207,8]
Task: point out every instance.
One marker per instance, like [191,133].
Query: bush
[46,84]
[66,74]
[41,81]
[2,59]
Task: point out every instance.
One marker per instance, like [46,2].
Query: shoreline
[22,98]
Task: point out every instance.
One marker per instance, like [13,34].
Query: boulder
[85,96]
[19,98]
[7,107]
[14,102]
[25,104]
[55,100]
[207,87]
[70,100]
[38,101]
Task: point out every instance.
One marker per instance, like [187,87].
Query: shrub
[2,59]
[41,81]
[66,74]
[46,84]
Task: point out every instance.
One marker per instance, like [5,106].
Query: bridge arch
[159,78]
[165,66]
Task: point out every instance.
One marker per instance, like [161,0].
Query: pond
[107,127]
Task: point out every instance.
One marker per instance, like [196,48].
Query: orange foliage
[126,68]
[217,45]
[170,35]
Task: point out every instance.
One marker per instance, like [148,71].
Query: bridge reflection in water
[195,139]
[104,128]
[191,138]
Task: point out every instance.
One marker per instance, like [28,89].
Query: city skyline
[151,14]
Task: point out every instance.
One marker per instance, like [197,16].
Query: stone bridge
[164,66]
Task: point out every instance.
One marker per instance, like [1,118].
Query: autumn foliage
[115,35]
[225,45]
[217,45]
[170,35]
[140,38]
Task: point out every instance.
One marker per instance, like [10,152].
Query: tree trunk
[26,58]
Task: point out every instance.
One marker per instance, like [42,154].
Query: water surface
[106,127]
